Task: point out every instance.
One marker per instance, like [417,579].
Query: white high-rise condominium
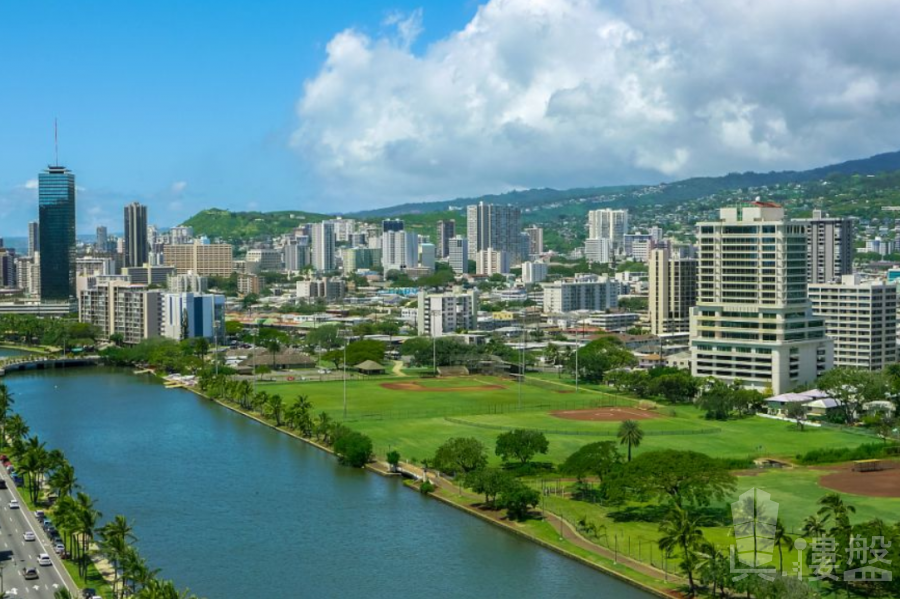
[323,246]
[607,223]
[753,321]
[534,272]
[443,313]
[497,227]
[459,255]
[673,291]
[861,318]
[399,250]
[492,262]
[598,250]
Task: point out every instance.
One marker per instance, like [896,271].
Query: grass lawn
[413,422]
[369,399]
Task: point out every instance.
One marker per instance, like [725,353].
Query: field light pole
[576,358]
[522,361]
[346,340]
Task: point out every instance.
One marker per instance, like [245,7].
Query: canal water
[232,509]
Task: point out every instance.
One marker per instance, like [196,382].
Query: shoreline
[378,468]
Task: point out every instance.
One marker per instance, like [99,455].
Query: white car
[28,536]
[44,560]
[14,504]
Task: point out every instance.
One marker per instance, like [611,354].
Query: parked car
[14,504]
[44,560]
[40,515]
[29,535]
[88,593]
[46,524]
[59,548]
[30,573]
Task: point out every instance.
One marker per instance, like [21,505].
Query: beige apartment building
[212,259]
[753,321]
[673,291]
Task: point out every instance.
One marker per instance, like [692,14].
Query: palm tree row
[298,416]
[682,536]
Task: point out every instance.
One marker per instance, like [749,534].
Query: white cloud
[30,184]
[178,187]
[575,92]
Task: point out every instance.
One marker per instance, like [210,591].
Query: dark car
[88,593]
[3,483]
[30,573]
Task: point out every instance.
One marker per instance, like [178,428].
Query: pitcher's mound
[605,414]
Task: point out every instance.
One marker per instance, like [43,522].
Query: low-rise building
[584,292]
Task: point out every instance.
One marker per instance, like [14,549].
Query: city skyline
[296,122]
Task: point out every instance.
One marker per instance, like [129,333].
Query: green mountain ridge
[540,206]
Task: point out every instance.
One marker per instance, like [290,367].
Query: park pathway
[398,369]
[566,530]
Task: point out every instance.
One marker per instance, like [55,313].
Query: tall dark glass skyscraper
[56,210]
[136,249]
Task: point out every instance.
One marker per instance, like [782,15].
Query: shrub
[831,455]
[426,487]
[353,448]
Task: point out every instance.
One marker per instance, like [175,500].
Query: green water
[231,508]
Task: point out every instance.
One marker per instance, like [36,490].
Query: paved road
[16,553]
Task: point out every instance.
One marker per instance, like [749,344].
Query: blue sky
[157,96]
[343,105]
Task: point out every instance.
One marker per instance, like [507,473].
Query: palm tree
[323,426]
[304,418]
[680,531]
[6,402]
[62,480]
[275,406]
[782,539]
[116,535]
[85,526]
[62,594]
[630,434]
[813,527]
[713,567]
[16,430]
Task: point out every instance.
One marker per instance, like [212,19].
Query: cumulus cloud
[178,187]
[575,92]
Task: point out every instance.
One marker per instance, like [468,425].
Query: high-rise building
[829,243]
[355,258]
[136,248]
[495,227]
[534,272]
[56,209]
[399,250]
[535,242]
[673,291]
[181,235]
[458,255]
[150,275]
[598,250]
[206,259]
[753,321]
[637,246]
[187,283]
[607,223]
[322,246]
[296,254]
[427,255]
[190,315]
[265,259]
[446,230]
[101,243]
[8,278]
[443,313]
[861,319]
[114,306]
[393,224]
[492,262]
[34,240]
[584,292]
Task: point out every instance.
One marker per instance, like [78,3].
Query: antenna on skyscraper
[56,140]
